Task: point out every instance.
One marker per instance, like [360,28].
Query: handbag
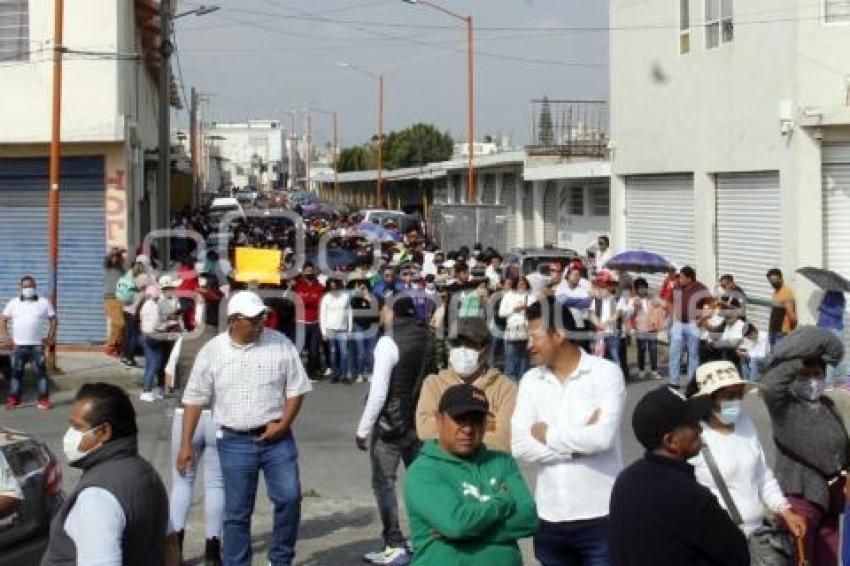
[771,544]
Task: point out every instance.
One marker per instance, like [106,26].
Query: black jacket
[118,468]
[661,516]
[414,343]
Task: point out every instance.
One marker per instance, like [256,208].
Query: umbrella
[641,261]
[825,279]
[382,234]
[337,258]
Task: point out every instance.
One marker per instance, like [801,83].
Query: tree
[545,135]
[417,145]
[356,158]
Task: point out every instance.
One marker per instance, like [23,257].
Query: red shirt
[310,295]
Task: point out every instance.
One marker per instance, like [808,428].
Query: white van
[222,205]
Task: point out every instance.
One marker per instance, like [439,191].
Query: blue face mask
[729,411]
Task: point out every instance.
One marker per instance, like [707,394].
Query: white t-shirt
[29,320]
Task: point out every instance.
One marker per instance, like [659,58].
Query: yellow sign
[255,265]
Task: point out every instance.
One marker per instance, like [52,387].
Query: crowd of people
[472,367]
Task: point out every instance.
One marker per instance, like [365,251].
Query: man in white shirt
[117,514]
[253,378]
[33,329]
[603,253]
[574,292]
[404,356]
[567,423]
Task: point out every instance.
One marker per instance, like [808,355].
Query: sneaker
[147,397]
[359,379]
[388,557]
[160,393]
[654,375]
[329,372]
[12,402]
[44,403]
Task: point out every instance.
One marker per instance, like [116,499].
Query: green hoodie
[467,512]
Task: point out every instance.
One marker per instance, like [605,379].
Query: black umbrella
[825,279]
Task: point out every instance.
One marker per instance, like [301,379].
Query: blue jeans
[154,362]
[338,347]
[364,346]
[516,358]
[22,355]
[612,349]
[683,336]
[242,458]
[131,336]
[751,368]
[572,543]
[649,345]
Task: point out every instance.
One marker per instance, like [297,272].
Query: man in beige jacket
[468,359]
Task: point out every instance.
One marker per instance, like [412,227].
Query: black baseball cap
[462,399]
[472,330]
[403,307]
[663,410]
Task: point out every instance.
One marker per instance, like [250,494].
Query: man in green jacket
[467,505]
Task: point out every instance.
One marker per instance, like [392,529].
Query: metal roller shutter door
[749,235]
[488,191]
[508,198]
[660,217]
[550,214]
[528,230]
[24,245]
[836,211]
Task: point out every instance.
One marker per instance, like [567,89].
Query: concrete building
[109,111]
[731,137]
[253,152]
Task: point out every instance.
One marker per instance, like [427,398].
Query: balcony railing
[569,128]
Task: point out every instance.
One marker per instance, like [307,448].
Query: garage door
[529,237]
[488,191]
[507,197]
[749,235]
[24,240]
[660,217]
[550,214]
[836,210]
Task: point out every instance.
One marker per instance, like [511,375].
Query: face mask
[430,286]
[71,444]
[28,292]
[729,411]
[464,361]
[809,389]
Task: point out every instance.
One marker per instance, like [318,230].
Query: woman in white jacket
[512,309]
[732,440]
[335,325]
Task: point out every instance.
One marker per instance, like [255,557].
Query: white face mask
[464,361]
[71,444]
[28,292]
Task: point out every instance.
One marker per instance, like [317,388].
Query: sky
[258,59]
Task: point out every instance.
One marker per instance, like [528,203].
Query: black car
[24,533]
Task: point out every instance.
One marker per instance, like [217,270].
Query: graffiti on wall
[116,210]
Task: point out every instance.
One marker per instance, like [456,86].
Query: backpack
[125,289]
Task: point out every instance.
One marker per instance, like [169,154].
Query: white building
[254,152]
[731,136]
[109,110]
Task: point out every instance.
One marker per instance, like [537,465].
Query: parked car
[532,260]
[404,221]
[24,533]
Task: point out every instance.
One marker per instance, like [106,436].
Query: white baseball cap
[245,303]
[169,282]
[713,376]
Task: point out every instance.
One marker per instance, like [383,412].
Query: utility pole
[55,161]
[194,147]
[309,148]
[162,205]
[336,156]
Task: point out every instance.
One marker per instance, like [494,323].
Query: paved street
[339,520]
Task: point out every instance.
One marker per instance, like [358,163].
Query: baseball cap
[663,410]
[144,260]
[245,303]
[474,330]
[169,282]
[714,376]
[463,398]
[403,306]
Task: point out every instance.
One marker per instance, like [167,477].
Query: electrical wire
[182,84]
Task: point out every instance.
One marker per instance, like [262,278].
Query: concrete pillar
[539,188]
[705,222]
[617,212]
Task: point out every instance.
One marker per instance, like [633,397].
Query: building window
[576,201]
[719,27]
[684,27]
[600,202]
[837,11]
[14,30]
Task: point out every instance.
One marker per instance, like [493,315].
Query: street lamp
[380,78]
[470,101]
